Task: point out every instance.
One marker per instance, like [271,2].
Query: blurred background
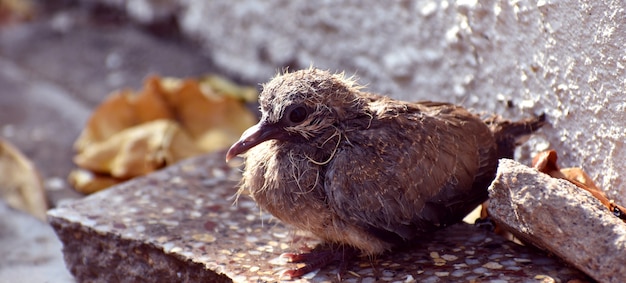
[58,61]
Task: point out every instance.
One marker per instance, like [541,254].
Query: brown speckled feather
[364,170]
[410,172]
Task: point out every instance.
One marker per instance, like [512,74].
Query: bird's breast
[287,183]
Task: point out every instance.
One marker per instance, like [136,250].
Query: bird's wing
[412,172]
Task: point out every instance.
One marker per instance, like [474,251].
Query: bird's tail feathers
[509,134]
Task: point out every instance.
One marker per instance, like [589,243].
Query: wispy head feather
[312,87]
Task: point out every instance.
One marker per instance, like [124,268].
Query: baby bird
[364,171]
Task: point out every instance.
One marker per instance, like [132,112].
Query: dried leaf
[220,85]
[546,162]
[20,184]
[129,134]
[200,111]
[87,182]
[13,11]
[120,111]
[138,150]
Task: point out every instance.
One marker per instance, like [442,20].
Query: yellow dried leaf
[546,162]
[200,111]
[138,150]
[578,175]
[225,87]
[122,110]
[20,184]
[87,182]
[12,11]
[216,139]
[170,119]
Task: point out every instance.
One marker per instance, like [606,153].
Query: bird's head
[299,107]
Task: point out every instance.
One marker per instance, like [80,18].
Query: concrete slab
[181,224]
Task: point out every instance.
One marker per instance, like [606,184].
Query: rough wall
[565,58]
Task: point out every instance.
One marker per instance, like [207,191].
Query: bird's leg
[320,257]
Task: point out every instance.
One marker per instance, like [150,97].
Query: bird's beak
[252,137]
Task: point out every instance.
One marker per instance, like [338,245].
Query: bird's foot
[319,257]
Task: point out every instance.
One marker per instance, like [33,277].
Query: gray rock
[557,216]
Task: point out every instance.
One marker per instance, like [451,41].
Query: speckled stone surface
[182,224]
[561,218]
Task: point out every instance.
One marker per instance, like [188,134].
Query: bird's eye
[298,114]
